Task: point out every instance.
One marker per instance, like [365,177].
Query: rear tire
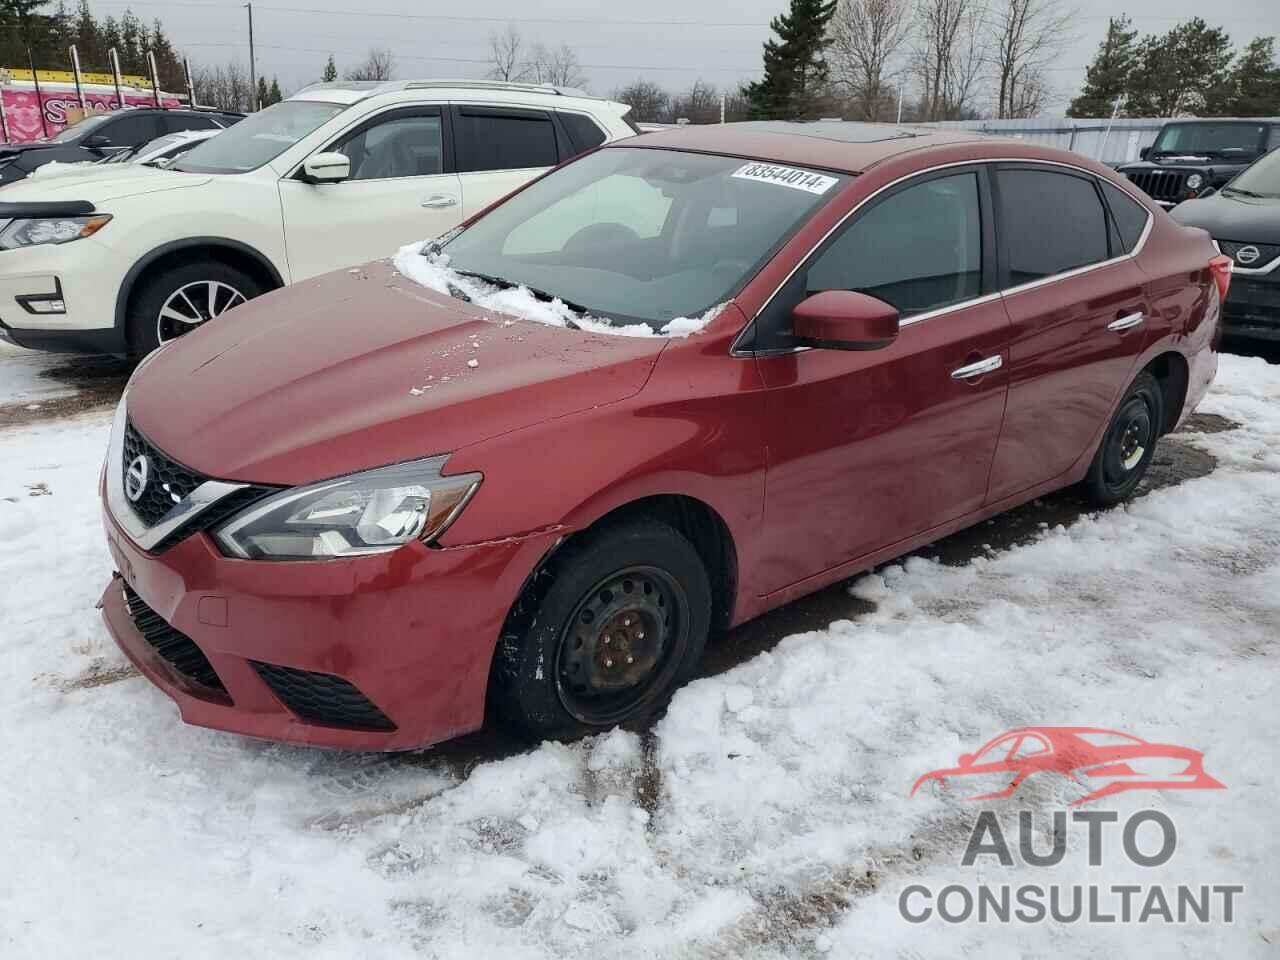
[605,635]
[179,299]
[1128,445]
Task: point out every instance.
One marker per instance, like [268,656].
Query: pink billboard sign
[22,109]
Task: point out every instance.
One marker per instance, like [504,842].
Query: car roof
[353,91]
[842,145]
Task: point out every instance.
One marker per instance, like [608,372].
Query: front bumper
[412,632]
[1252,307]
[83,276]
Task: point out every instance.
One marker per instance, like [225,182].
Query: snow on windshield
[433,272]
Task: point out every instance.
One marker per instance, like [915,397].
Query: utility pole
[253,72]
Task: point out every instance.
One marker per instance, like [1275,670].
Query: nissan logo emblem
[135,478]
[1248,254]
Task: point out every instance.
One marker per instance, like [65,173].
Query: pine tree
[795,70]
[274,95]
[1186,71]
[330,71]
[1107,78]
[1255,81]
[264,95]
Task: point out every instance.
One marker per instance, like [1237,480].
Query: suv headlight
[372,512]
[34,232]
[1194,181]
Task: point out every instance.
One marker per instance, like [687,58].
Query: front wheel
[613,628]
[176,301]
[1128,445]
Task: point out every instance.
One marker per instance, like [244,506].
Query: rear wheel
[177,300]
[1128,445]
[617,624]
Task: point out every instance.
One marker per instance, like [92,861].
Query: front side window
[1210,139]
[86,127]
[637,235]
[489,140]
[919,249]
[403,146]
[259,138]
[1050,223]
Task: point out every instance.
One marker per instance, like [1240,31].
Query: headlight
[30,233]
[1194,181]
[371,512]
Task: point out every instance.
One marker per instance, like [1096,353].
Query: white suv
[338,174]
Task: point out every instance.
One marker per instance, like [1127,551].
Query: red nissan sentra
[670,385]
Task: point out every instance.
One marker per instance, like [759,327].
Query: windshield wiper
[542,295]
[1242,191]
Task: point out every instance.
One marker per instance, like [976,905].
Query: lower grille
[322,698]
[1165,185]
[1248,299]
[177,649]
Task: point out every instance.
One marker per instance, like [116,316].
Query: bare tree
[949,56]
[223,86]
[506,54]
[380,64]
[867,37]
[648,101]
[699,104]
[558,67]
[1026,34]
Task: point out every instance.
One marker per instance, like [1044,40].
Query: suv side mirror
[326,168]
[96,141]
[844,320]
[1144,153]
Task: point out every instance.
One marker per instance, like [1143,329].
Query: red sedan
[357,511]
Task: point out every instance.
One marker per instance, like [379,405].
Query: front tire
[176,301]
[1128,445]
[605,635]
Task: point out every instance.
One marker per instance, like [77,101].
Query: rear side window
[920,249]
[1129,216]
[501,140]
[171,123]
[582,131]
[1050,223]
[131,130]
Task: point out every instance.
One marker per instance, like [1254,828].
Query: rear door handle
[439,200]
[1127,322]
[969,370]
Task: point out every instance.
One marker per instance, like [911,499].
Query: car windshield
[639,235]
[258,138]
[78,130]
[1211,139]
[1262,179]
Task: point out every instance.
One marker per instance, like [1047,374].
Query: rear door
[870,448]
[401,189]
[1080,318]
[501,148]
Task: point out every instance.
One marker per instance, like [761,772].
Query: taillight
[1221,267]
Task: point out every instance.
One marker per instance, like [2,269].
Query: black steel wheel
[605,634]
[1129,443]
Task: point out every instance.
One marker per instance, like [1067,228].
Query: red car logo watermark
[1102,761]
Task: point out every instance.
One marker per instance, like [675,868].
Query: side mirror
[96,141]
[843,320]
[966,759]
[1144,153]
[326,168]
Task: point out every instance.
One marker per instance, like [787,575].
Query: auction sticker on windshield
[785,177]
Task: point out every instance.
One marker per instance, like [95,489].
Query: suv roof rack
[373,87]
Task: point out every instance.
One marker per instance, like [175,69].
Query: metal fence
[1105,140]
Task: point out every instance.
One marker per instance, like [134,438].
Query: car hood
[110,181]
[1233,217]
[362,368]
[8,150]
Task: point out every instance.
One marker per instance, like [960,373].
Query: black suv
[103,134]
[1190,157]
[1244,220]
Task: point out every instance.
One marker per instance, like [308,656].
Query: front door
[866,449]
[402,189]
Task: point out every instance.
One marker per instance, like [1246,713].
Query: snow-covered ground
[23,380]
[767,815]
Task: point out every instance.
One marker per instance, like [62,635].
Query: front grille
[177,649]
[168,482]
[322,698]
[1167,185]
[213,515]
[1266,253]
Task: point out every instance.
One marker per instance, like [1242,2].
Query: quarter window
[919,249]
[403,146]
[504,141]
[1129,216]
[1050,223]
[583,131]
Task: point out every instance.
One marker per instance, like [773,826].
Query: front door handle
[969,370]
[438,201]
[1127,322]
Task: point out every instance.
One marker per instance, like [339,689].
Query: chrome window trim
[195,503]
[734,351]
[1255,271]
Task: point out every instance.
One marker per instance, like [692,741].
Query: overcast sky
[672,42]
